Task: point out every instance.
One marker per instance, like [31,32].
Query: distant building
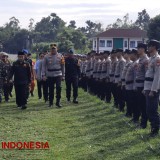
[118,38]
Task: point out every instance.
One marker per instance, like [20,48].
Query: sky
[103,11]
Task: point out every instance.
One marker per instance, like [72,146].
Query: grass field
[91,130]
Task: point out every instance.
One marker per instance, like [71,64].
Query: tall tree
[154,28]
[72,24]
[143,20]
[31,24]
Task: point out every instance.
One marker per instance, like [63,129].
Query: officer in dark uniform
[22,77]
[72,74]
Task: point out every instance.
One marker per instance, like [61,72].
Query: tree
[154,28]
[31,24]
[72,24]
[143,20]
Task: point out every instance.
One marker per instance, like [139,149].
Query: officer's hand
[151,94]
[63,78]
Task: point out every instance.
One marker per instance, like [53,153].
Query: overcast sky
[104,11]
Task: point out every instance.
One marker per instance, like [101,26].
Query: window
[125,44]
[132,44]
[102,43]
[109,43]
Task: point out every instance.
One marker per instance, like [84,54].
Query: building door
[117,43]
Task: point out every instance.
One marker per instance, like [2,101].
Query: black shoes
[154,132]
[58,104]
[23,107]
[75,101]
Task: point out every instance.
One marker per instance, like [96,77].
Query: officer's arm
[63,66]
[156,76]
[44,63]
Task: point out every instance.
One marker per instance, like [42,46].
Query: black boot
[75,101]
[154,132]
[58,104]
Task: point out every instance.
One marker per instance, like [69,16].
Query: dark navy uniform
[22,78]
[72,74]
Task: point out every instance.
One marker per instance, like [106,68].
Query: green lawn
[91,130]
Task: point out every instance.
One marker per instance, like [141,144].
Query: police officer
[53,72]
[128,63]
[72,74]
[22,77]
[151,86]
[118,74]
[140,107]
[114,61]
[129,83]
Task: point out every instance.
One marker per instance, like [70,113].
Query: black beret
[154,43]
[20,53]
[142,45]
[127,51]
[107,52]
[119,50]
[134,51]
[113,51]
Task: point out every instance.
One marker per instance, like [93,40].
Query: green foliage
[154,28]
[91,130]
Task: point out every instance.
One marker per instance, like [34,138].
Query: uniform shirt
[95,68]
[112,70]
[99,69]
[118,71]
[106,69]
[128,63]
[21,72]
[130,76]
[53,65]
[141,71]
[152,75]
[72,67]
[88,68]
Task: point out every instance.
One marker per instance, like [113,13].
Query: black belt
[94,72]
[139,81]
[103,72]
[51,70]
[148,79]
[111,75]
[117,76]
[129,82]
[123,80]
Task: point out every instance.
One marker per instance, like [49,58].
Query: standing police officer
[53,72]
[151,86]
[72,74]
[22,77]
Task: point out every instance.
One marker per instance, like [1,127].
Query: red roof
[121,33]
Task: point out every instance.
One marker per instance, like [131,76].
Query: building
[118,38]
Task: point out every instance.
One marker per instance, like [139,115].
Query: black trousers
[141,106]
[6,90]
[42,87]
[152,109]
[52,81]
[130,102]
[72,82]
[114,93]
[108,91]
[20,91]
[120,98]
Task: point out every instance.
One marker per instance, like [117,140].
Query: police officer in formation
[134,81]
